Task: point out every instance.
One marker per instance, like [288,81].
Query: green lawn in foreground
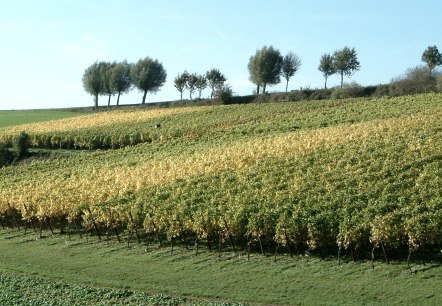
[260,280]
[16,117]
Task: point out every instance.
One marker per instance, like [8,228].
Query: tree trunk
[325,85]
[257,89]
[342,79]
[48,221]
[117,234]
[339,254]
[372,257]
[144,97]
[286,85]
[230,236]
[96,102]
[320,253]
[420,255]
[135,227]
[385,253]
[118,99]
[287,241]
[276,250]
[264,88]
[209,244]
[260,245]
[353,255]
[108,100]
[94,224]
[181,92]
[196,245]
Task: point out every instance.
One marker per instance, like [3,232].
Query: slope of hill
[279,171]
[361,177]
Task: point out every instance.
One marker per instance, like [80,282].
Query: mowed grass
[260,280]
[18,117]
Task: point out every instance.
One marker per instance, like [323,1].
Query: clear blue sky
[46,45]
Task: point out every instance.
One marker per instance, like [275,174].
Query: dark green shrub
[241,99]
[439,83]
[415,81]
[381,91]
[352,90]
[224,94]
[6,156]
[262,98]
[320,94]
[20,145]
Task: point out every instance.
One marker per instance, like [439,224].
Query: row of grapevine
[373,184]
[116,129]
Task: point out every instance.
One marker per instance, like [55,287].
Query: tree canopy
[191,83]
[201,84]
[93,80]
[180,82]
[290,65]
[265,67]
[432,57]
[214,79]
[120,80]
[346,62]
[326,66]
[148,75]
[106,74]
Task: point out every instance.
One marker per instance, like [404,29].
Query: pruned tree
[106,72]
[432,57]
[120,80]
[180,82]
[346,62]
[191,84]
[327,67]
[265,67]
[214,79]
[290,65]
[148,75]
[93,81]
[201,84]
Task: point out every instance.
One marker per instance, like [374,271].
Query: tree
[106,72]
[432,57]
[201,84]
[93,81]
[20,145]
[148,75]
[214,79]
[265,67]
[191,84]
[224,93]
[120,80]
[180,82]
[346,62]
[327,67]
[290,65]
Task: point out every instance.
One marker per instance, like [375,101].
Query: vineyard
[361,177]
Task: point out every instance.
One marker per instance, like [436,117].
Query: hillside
[355,178]
[258,167]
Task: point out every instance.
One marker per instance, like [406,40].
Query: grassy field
[18,117]
[298,281]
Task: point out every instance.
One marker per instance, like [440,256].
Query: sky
[46,45]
